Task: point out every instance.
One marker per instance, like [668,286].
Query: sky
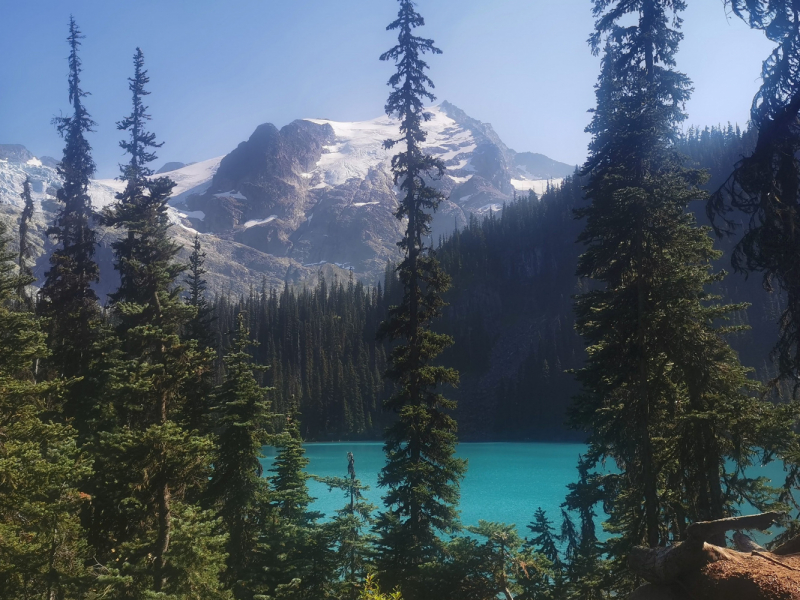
[218,68]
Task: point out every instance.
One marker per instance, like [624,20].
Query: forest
[133,433]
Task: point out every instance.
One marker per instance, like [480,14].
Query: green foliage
[42,545]
[243,421]
[371,591]
[764,189]
[320,343]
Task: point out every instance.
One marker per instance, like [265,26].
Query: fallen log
[664,566]
[695,569]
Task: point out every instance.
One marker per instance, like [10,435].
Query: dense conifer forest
[132,434]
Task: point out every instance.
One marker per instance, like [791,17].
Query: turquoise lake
[505,482]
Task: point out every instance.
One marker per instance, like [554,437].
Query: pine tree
[422,474]
[243,420]
[24,247]
[67,298]
[663,394]
[42,544]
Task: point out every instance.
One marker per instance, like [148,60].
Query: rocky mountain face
[314,196]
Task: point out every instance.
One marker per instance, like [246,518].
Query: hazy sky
[220,68]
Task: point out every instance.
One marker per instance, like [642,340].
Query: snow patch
[34,162]
[176,218]
[539,186]
[255,222]
[193,179]
[232,194]
[365,203]
[460,179]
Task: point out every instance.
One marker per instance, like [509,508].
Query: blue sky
[220,68]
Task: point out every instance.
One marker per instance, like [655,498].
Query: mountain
[315,195]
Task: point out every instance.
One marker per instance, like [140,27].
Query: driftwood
[695,569]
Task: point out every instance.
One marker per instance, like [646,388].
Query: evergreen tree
[42,545]
[200,329]
[150,465]
[24,247]
[349,530]
[664,396]
[290,480]
[295,552]
[764,189]
[500,555]
[200,326]
[422,474]
[243,420]
[544,539]
[144,255]
[67,298]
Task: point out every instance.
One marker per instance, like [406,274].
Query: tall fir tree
[151,466]
[67,298]
[664,396]
[422,474]
[244,421]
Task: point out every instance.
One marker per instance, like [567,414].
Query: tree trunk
[164,531]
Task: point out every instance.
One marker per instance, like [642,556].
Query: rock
[170,166]
[15,153]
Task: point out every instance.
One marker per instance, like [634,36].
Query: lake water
[505,482]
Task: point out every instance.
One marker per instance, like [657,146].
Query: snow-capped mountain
[321,191]
[316,192]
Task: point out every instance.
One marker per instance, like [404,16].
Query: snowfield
[359,146]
